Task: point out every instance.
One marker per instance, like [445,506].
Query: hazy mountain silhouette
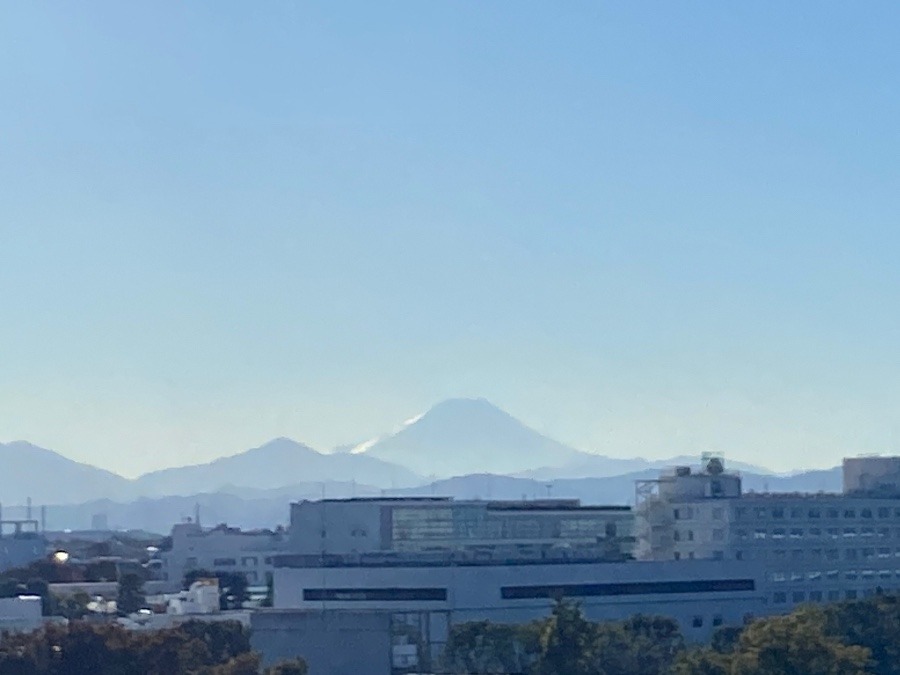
[250,508]
[278,463]
[49,478]
[461,436]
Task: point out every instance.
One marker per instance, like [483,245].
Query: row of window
[535,592]
[835,553]
[817,533]
[833,513]
[833,575]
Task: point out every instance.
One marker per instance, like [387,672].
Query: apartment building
[808,547]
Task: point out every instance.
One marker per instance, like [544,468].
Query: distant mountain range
[466,447]
[256,508]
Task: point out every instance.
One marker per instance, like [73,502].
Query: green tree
[567,643]
[131,594]
[485,648]
[291,667]
[796,644]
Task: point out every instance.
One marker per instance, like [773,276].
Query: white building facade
[808,547]
[221,549]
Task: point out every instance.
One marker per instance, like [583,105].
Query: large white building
[808,547]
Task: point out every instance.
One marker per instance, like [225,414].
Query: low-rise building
[220,549]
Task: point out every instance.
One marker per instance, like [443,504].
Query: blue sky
[643,228]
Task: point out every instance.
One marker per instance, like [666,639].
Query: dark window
[718,620]
[633,588]
[224,562]
[697,622]
[374,594]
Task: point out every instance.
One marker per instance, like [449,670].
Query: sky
[642,228]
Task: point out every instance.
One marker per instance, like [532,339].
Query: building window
[627,588]
[690,534]
[717,620]
[815,513]
[798,596]
[884,512]
[850,554]
[759,534]
[832,513]
[815,596]
[849,513]
[249,561]
[777,513]
[868,553]
[676,535]
[676,513]
[884,553]
[833,532]
[779,598]
[697,622]
[849,531]
[796,533]
[778,533]
[718,535]
[718,513]
[815,532]
[865,513]
[225,562]
[831,554]
[796,513]
[738,555]
[796,554]
[867,532]
[851,595]
[375,594]
[834,596]
[676,555]
[759,511]
[779,554]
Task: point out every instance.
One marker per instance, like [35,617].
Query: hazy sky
[643,228]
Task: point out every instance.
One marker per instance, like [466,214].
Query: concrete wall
[352,526]
[474,592]
[331,643]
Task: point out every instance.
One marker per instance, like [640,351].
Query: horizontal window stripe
[374,594]
[633,588]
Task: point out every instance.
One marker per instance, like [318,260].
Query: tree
[796,644]
[485,648]
[291,667]
[131,594]
[567,643]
